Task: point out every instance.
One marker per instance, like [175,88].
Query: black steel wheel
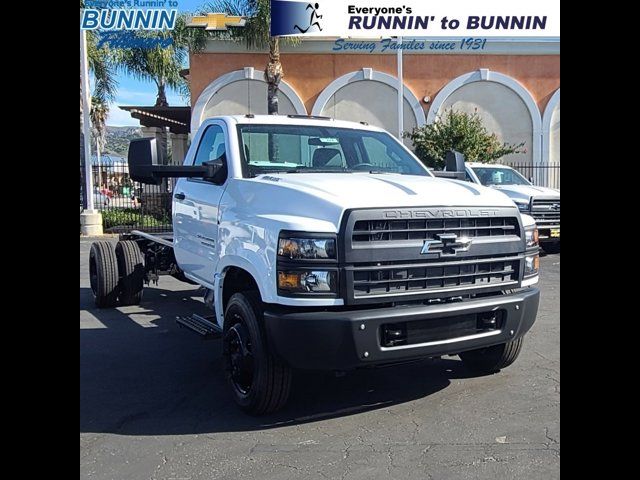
[259,382]
[103,274]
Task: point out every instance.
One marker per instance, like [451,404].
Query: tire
[103,274]
[492,359]
[551,247]
[131,268]
[259,382]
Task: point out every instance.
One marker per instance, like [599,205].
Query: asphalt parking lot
[154,405]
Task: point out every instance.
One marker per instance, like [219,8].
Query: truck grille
[383,257]
[456,275]
[546,212]
[396,230]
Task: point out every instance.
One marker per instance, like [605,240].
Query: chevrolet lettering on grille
[448,244]
[440,213]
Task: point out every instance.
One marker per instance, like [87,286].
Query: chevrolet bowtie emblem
[447,244]
[216,21]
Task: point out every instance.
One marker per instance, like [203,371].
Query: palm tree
[162,64]
[99,114]
[100,63]
[256,34]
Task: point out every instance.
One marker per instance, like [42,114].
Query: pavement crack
[551,439]
[545,357]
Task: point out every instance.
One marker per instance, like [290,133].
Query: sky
[136,92]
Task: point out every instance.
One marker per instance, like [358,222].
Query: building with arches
[513,83]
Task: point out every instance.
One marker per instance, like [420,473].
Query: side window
[381,155]
[467,177]
[211,145]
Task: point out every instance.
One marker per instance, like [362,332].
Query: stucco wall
[425,75]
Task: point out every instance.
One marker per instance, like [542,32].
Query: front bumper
[336,340]
[549,233]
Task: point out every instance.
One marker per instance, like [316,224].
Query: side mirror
[142,157]
[144,167]
[217,170]
[454,161]
[454,166]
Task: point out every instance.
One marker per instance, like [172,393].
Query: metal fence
[547,175]
[127,205]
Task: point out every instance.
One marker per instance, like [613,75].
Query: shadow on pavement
[140,377]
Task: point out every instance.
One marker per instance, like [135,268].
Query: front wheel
[492,359]
[259,381]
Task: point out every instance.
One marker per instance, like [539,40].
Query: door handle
[179,196]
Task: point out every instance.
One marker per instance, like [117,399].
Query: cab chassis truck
[324,244]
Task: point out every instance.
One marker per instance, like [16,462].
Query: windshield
[499,176]
[313,149]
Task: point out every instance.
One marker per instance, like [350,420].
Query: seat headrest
[322,156]
[220,150]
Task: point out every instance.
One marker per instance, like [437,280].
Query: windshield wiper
[314,170]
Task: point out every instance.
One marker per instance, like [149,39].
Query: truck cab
[542,203]
[325,244]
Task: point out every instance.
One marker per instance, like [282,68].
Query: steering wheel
[364,166]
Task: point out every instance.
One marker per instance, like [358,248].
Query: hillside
[118,139]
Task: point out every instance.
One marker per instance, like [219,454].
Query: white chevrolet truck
[542,203]
[324,244]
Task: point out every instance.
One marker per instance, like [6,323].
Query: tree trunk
[272,75]
[161,100]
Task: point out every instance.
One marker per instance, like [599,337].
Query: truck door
[196,208]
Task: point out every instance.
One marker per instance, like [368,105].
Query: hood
[525,192]
[317,201]
[361,190]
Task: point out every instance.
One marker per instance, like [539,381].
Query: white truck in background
[325,244]
[542,203]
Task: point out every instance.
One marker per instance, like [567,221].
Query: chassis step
[200,325]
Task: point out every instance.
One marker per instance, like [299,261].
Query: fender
[224,264]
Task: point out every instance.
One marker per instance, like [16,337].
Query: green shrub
[125,217]
[459,131]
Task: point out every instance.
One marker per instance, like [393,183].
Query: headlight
[295,248]
[531,235]
[308,281]
[522,206]
[531,265]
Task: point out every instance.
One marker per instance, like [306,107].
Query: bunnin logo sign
[122,15]
[117,22]
[456,18]
[289,17]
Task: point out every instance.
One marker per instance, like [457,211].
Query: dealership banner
[427,18]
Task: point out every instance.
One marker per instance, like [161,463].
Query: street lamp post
[400,89]
[90,219]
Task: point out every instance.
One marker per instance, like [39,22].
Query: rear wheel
[131,268]
[260,382]
[492,359]
[103,274]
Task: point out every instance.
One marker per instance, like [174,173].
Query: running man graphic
[314,13]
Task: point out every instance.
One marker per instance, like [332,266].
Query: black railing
[547,175]
[127,205]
